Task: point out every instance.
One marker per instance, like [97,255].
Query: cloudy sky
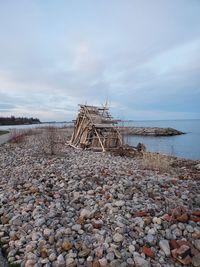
[142,56]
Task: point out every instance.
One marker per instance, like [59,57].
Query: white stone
[157,220]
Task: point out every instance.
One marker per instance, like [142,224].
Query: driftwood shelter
[95,129]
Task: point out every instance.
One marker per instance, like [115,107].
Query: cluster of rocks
[149,131]
[82,208]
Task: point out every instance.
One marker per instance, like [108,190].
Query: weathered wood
[94,127]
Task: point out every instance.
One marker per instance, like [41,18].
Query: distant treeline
[18,120]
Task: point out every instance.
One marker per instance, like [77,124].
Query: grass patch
[156,161]
[3,132]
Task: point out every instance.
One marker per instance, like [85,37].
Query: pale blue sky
[142,56]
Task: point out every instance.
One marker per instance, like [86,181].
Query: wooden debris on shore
[95,129]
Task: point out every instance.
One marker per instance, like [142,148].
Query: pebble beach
[83,208]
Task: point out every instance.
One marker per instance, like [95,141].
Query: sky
[141,57]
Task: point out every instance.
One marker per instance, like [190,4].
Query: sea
[184,146]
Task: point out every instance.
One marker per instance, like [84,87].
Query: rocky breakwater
[149,131]
[83,208]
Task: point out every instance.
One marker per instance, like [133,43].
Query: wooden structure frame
[95,129]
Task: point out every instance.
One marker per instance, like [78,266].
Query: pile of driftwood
[95,129]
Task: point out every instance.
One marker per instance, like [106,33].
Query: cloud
[143,57]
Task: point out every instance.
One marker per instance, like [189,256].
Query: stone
[99,252]
[173,244]
[76,227]
[119,203]
[141,262]
[60,261]
[96,263]
[30,263]
[70,262]
[196,260]
[4,219]
[197,244]
[110,256]
[189,228]
[66,245]
[85,213]
[148,252]
[183,218]
[97,224]
[131,249]
[39,222]
[52,256]
[16,220]
[85,252]
[118,237]
[103,262]
[183,251]
[140,214]
[157,220]
[164,245]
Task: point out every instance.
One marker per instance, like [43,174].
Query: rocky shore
[81,208]
[149,131]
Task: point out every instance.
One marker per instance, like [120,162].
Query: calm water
[184,146]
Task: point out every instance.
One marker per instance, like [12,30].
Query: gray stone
[164,245]
[141,262]
[119,203]
[60,261]
[196,260]
[197,244]
[118,237]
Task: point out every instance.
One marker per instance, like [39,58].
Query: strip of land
[149,131]
[61,206]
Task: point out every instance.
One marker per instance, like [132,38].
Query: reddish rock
[183,251]
[183,218]
[186,261]
[140,214]
[173,244]
[167,218]
[182,254]
[148,252]
[174,253]
[184,242]
[194,218]
[97,223]
[196,213]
